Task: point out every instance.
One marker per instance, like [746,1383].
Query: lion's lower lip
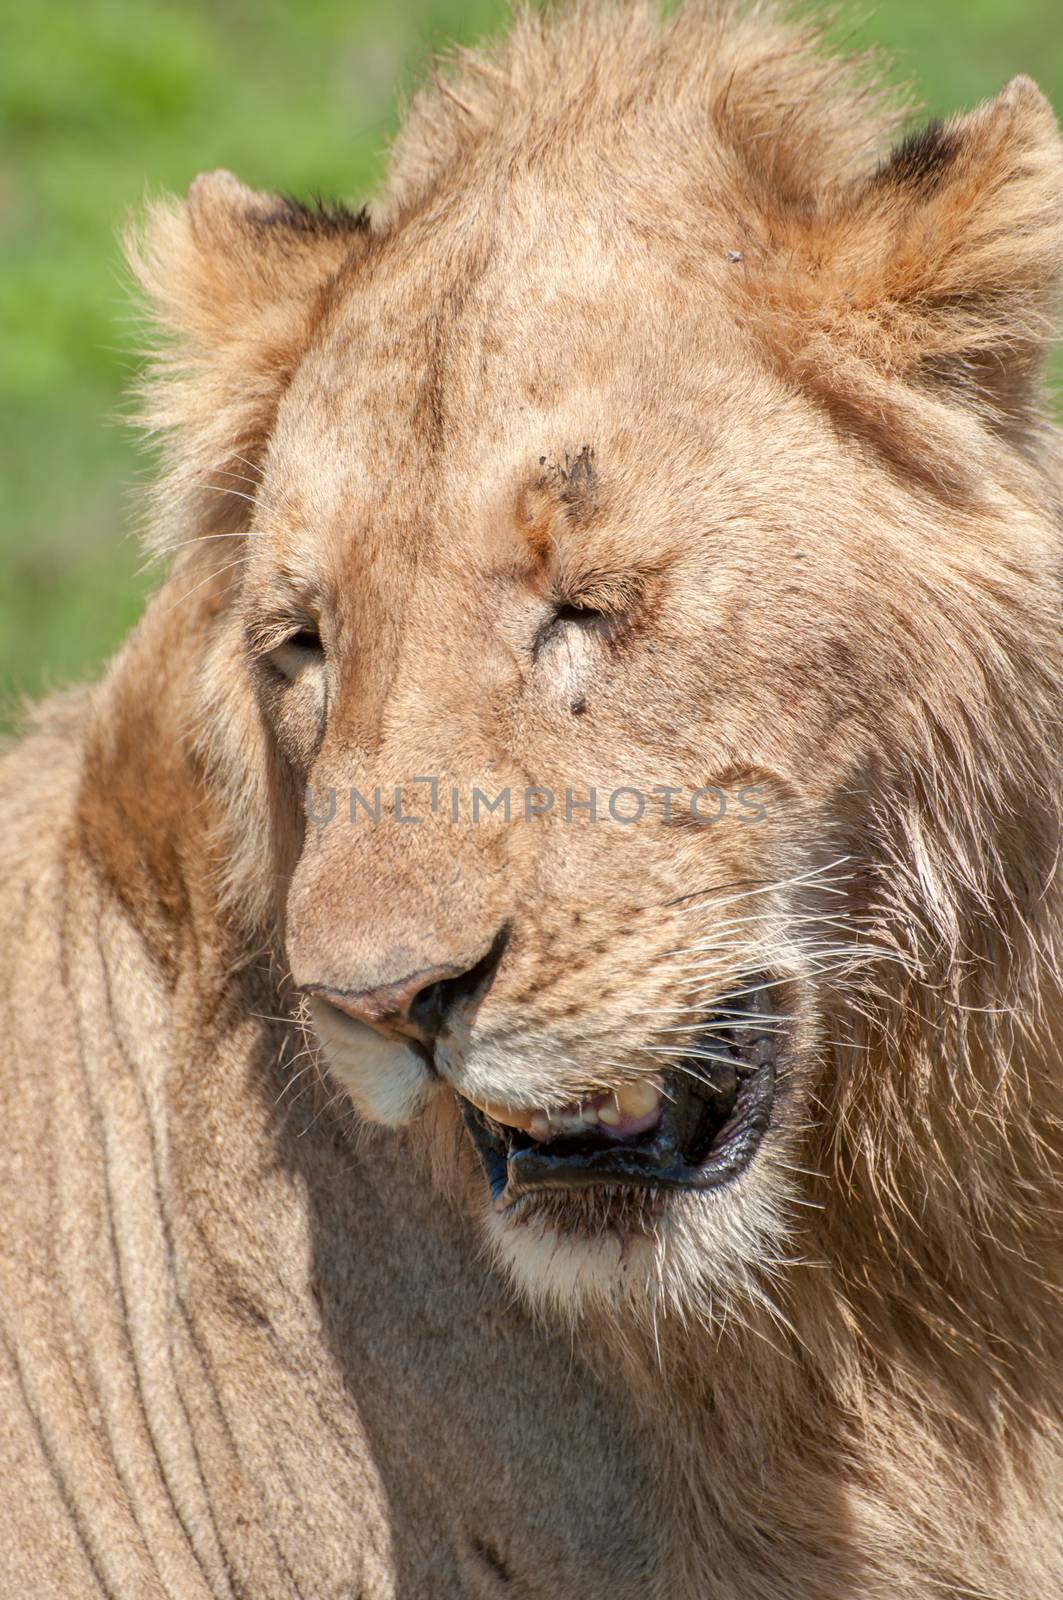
[714,1117]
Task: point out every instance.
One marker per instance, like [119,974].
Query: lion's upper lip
[713,1114]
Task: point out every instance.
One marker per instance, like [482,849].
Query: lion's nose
[418,1005]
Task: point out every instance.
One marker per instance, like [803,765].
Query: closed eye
[569,612]
[564,615]
[294,655]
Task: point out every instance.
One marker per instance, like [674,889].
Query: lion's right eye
[300,651]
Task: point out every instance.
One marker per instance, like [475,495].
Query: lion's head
[634,676]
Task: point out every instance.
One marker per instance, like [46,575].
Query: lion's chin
[701,1255]
[581,1212]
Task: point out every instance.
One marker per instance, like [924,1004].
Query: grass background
[104,101]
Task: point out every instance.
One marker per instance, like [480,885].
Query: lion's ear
[942,267]
[235,281]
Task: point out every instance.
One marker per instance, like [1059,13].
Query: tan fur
[649,319]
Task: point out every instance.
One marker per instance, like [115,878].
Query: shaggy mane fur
[792,359]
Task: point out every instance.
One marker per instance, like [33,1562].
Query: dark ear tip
[216,196]
[317,218]
[921,159]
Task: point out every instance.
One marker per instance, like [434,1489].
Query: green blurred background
[104,101]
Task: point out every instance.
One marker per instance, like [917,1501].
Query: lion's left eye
[582,614]
[301,650]
[564,615]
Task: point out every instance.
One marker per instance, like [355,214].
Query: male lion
[403,1198]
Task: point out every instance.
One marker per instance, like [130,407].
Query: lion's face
[507,570]
[596,940]
[619,587]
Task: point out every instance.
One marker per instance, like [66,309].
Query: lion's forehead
[432,435]
[426,347]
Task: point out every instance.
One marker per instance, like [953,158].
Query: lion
[531,986]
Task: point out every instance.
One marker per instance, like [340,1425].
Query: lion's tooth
[634,1102]
[509,1116]
[501,1114]
[638,1099]
[567,1121]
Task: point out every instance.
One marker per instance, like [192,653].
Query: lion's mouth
[696,1125]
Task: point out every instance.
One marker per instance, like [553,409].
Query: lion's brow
[557,490]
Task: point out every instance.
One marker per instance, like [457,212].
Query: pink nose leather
[414,1007]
